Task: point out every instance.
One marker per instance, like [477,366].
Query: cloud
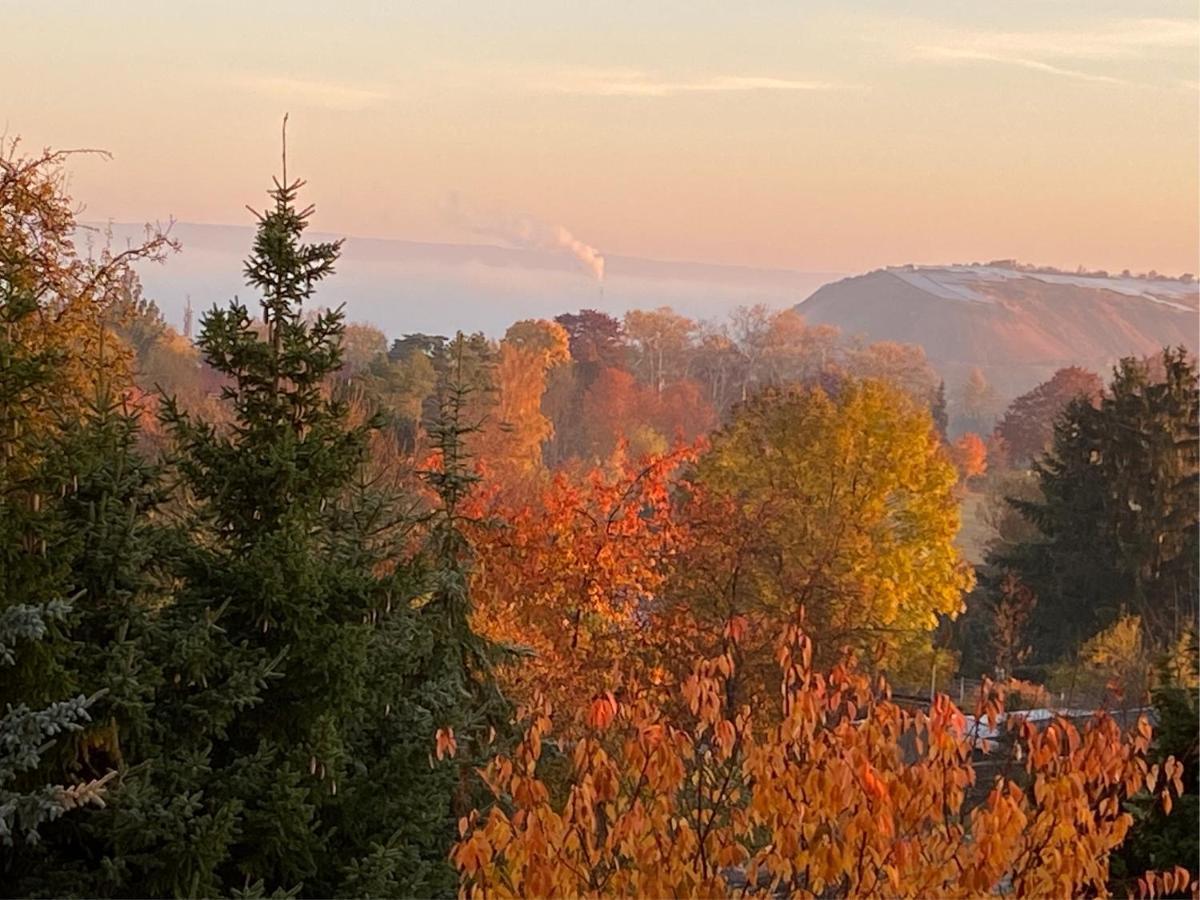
[325,94]
[1062,52]
[636,83]
[952,54]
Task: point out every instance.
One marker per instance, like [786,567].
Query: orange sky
[782,134]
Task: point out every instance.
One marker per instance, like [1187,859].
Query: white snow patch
[960,283]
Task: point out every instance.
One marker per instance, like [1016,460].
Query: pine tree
[937,409]
[27,734]
[1118,523]
[39,704]
[264,563]
[104,500]
[317,663]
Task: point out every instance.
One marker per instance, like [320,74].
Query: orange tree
[566,573]
[844,794]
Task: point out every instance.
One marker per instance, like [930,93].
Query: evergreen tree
[264,562]
[310,676]
[444,669]
[1118,522]
[104,499]
[27,734]
[36,702]
[941,417]
[1160,841]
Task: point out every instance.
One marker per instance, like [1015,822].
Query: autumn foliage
[969,453]
[564,577]
[846,793]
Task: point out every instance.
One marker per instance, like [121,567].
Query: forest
[642,606]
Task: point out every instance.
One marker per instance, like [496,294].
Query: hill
[1018,324]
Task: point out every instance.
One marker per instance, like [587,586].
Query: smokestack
[187,316]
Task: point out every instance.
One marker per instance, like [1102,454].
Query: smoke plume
[528,233]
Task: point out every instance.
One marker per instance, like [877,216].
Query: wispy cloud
[636,83]
[325,94]
[961,54]
[1068,53]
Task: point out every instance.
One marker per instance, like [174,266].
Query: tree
[106,499]
[76,299]
[845,504]
[843,794]
[512,437]
[977,404]
[1027,427]
[58,536]
[682,413]
[1010,615]
[901,365]
[568,575]
[660,339]
[1159,841]
[469,358]
[611,409]
[398,389]
[295,593]
[27,734]
[719,367]
[937,409]
[362,345]
[970,455]
[596,342]
[1117,528]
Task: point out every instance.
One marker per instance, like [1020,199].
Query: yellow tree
[661,339]
[76,300]
[841,501]
[510,444]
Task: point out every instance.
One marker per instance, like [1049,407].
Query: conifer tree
[27,734]
[1118,523]
[937,409]
[295,588]
[40,704]
[266,495]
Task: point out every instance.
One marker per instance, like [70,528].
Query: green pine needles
[270,637]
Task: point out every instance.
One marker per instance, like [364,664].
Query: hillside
[1016,324]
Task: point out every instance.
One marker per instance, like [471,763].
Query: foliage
[1161,842]
[516,429]
[1112,668]
[26,735]
[1011,613]
[283,615]
[55,350]
[846,794]
[1027,427]
[842,503]
[660,339]
[293,598]
[970,455]
[1117,525]
[566,576]
[976,403]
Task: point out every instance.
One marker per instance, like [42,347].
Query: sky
[820,136]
